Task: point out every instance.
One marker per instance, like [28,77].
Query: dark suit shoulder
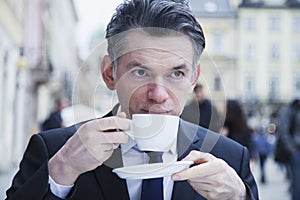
[220,146]
[55,138]
[210,136]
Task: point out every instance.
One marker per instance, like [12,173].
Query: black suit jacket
[31,181]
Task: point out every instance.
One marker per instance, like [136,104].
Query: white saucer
[153,170]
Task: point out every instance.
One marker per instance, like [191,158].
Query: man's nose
[157,92]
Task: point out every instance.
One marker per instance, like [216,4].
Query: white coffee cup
[153,132]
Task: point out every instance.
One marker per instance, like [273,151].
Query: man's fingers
[93,139]
[205,166]
[110,146]
[122,115]
[115,146]
[198,171]
[115,138]
[113,123]
[109,124]
[199,157]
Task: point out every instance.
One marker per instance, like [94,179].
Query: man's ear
[196,76]
[107,72]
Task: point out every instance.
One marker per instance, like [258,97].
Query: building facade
[218,62]
[11,39]
[62,55]
[269,51]
[37,50]
[252,50]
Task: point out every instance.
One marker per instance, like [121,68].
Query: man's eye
[177,74]
[140,72]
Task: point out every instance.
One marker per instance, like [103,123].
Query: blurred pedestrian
[289,130]
[236,126]
[263,148]
[54,120]
[207,115]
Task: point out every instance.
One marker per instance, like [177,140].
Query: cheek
[178,97]
[130,97]
[181,98]
[183,87]
[137,94]
[137,97]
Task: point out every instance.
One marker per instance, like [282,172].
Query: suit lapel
[189,139]
[194,137]
[111,186]
[183,190]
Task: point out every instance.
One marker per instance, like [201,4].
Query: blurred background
[46,64]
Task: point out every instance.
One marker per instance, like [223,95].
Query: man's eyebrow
[135,64]
[182,66]
[138,64]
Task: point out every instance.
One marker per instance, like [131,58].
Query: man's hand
[213,178]
[88,148]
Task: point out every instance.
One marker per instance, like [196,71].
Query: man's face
[155,74]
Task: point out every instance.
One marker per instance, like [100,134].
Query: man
[289,133]
[55,120]
[153,63]
[207,115]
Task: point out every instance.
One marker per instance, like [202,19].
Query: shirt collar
[127,146]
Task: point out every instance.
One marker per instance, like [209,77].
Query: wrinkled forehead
[140,39]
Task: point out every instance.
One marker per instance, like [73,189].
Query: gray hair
[164,15]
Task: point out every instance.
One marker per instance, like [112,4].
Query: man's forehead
[178,44]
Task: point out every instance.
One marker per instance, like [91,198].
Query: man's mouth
[156,111]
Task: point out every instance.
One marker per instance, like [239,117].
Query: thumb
[121,115]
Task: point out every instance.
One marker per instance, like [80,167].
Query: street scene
[52,55]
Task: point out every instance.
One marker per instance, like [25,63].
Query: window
[217,83]
[296,85]
[274,24]
[250,88]
[5,64]
[217,42]
[210,7]
[250,53]
[274,88]
[274,52]
[296,24]
[296,52]
[250,23]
